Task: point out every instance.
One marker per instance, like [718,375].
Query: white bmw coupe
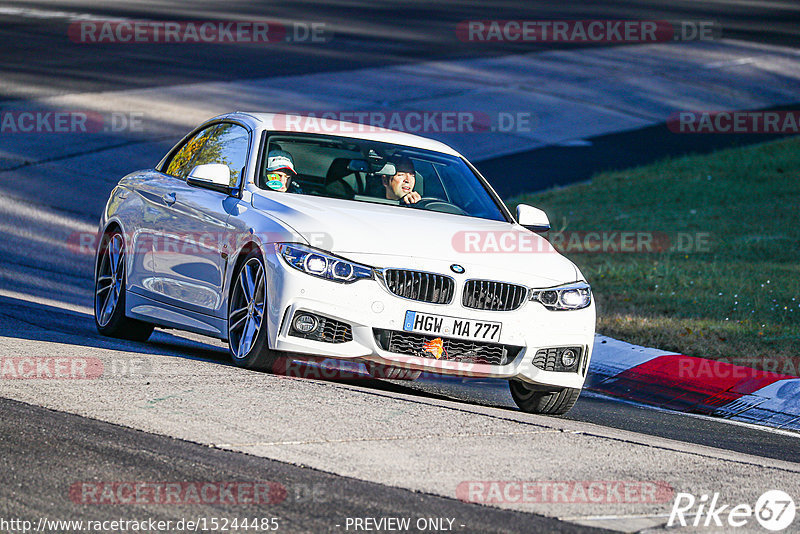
[344,241]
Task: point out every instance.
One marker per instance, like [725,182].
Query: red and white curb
[695,385]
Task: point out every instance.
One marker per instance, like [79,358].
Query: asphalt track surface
[44,452]
[304,500]
[36,55]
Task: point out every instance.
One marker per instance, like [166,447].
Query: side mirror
[532,218]
[216,176]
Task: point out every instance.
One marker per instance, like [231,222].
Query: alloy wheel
[110,278]
[247,308]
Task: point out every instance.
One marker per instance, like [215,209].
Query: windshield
[375,172]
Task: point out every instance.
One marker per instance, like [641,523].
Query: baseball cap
[280,160]
[404,164]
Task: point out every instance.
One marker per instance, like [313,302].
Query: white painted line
[47,14]
[387,438]
[620,516]
[46,302]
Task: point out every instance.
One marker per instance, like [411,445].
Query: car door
[194,227]
[138,203]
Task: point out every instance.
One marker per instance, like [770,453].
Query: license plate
[442,325]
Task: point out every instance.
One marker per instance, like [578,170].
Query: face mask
[274,181]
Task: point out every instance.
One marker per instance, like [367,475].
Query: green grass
[739,299]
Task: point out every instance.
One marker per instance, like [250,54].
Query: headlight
[322,264]
[567,297]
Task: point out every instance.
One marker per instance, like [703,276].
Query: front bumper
[371,309]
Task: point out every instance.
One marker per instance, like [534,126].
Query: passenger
[280,171]
[400,187]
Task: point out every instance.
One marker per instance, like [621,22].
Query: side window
[228,145]
[428,183]
[180,165]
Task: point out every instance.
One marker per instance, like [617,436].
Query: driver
[401,186]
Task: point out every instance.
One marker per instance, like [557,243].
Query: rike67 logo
[774,510]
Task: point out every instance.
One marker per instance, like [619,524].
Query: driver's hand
[412,198]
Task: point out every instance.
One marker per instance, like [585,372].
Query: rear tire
[532,400]
[109,292]
[247,328]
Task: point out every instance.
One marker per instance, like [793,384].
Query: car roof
[278,122]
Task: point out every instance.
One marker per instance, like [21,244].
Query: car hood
[383,236]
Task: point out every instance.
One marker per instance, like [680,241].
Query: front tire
[109,293]
[247,329]
[533,400]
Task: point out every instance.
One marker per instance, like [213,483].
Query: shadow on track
[40,322]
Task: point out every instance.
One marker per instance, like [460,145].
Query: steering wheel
[437,204]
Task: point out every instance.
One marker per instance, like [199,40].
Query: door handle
[169,199]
